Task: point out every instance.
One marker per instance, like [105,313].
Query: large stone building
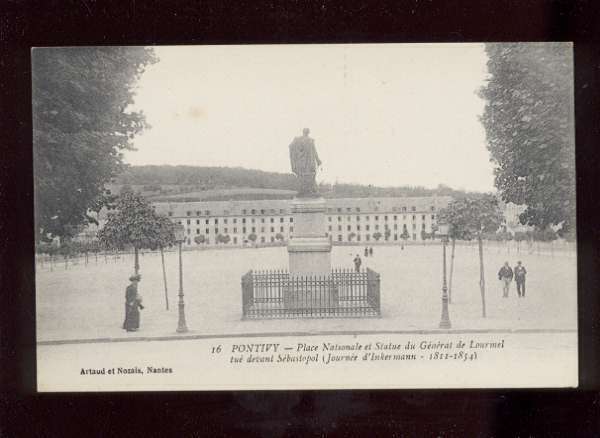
[359,220]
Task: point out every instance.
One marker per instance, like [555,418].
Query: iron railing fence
[279,294]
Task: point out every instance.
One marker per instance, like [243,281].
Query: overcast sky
[388,115]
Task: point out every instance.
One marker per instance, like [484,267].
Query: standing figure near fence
[357,263]
[520,273]
[133,304]
[505,274]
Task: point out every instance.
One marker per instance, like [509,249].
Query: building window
[414,218]
[339,210]
[216,221]
[235,240]
[357,218]
[349,228]
[414,227]
[291,229]
[403,209]
[225,220]
[189,231]
[358,228]
[254,229]
[262,220]
[281,211]
[262,211]
[281,229]
[413,208]
[243,220]
[234,230]
[225,231]
[281,219]
[395,217]
[329,228]
[170,213]
[376,227]
[262,229]
[207,231]
[339,228]
[433,217]
[358,237]
[272,229]
[272,220]
[422,217]
[368,237]
[376,218]
[235,220]
[339,237]
[188,221]
[432,208]
[367,227]
[414,236]
[423,226]
[329,218]
[244,211]
[272,239]
[262,239]
[188,213]
[252,220]
[216,231]
[385,218]
[339,218]
[207,212]
[197,230]
[291,219]
[244,230]
[395,226]
[253,211]
[197,221]
[358,209]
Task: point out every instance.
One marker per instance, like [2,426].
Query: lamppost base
[182,329]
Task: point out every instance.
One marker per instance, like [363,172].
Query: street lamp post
[442,231]
[179,238]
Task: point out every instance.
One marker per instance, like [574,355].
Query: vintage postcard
[305,217]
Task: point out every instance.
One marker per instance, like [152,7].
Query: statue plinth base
[309,250]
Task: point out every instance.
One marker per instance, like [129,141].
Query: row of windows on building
[263,211]
[376,218]
[235,221]
[227,212]
[376,227]
[244,230]
[357,209]
[358,237]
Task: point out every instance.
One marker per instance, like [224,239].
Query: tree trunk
[136,261]
[162,258]
[481,275]
[451,271]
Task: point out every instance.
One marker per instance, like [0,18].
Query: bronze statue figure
[305,160]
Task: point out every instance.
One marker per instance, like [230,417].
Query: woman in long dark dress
[132,305]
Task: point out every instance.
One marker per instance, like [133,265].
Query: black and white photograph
[319,216]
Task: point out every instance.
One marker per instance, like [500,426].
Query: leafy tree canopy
[528,120]
[135,223]
[468,217]
[81,123]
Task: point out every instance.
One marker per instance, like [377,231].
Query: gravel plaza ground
[86,302]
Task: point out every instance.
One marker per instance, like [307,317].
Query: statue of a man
[305,160]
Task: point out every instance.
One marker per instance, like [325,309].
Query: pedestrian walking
[520,273]
[505,274]
[371,251]
[357,263]
[133,304]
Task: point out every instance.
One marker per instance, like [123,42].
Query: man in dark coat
[357,263]
[505,275]
[133,304]
[520,273]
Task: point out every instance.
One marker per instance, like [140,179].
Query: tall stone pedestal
[309,250]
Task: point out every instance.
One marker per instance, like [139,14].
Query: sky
[387,115]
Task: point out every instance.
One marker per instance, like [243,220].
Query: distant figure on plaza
[505,274]
[371,251]
[357,263]
[366,252]
[305,161]
[133,304]
[520,273]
